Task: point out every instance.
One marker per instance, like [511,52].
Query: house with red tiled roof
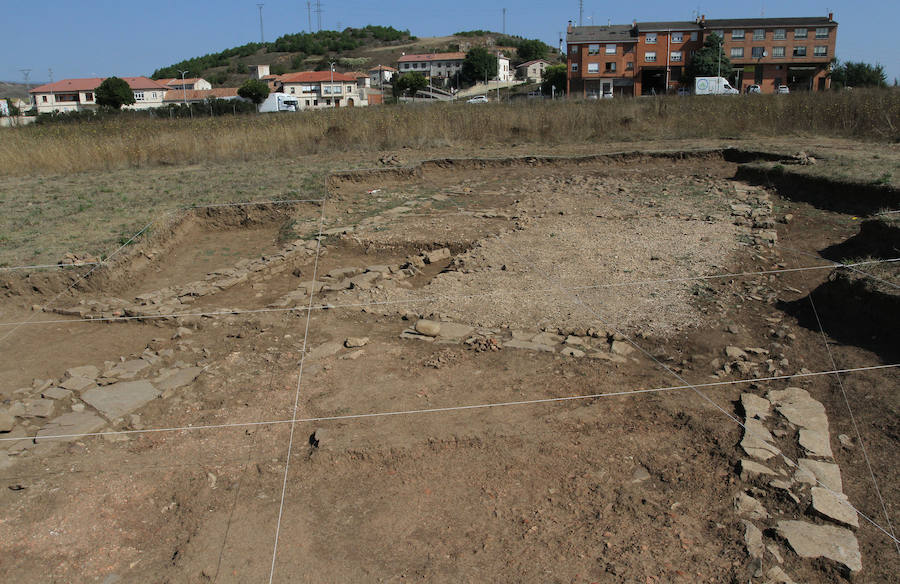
[80,94]
[318,89]
[188,83]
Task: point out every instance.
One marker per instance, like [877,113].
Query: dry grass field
[563,343]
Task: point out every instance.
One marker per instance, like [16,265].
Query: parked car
[608,93]
[783,89]
[753,89]
[478,99]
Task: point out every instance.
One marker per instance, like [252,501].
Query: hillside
[351,50]
[10,89]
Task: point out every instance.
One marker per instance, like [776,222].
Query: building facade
[647,58]
[433,66]
[80,94]
[533,71]
[321,89]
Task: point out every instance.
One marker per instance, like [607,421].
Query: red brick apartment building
[649,57]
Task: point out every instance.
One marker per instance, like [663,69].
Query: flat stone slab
[755,406]
[118,399]
[757,440]
[178,378]
[815,471]
[822,541]
[128,369]
[72,423]
[77,383]
[452,330]
[816,442]
[809,415]
[56,393]
[747,506]
[517,344]
[39,408]
[325,350]
[750,469]
[88,371]
[833,506]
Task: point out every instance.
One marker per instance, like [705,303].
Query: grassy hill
[353,49]
[10,89]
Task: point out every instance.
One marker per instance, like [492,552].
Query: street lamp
[331,87]
[183,90]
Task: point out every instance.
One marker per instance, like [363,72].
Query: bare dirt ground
[502,284]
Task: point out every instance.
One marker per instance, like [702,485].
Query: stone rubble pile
[175,299]
[90,398]
[801,505]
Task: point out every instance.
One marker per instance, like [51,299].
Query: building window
[820,51]
[415,65]
[629,66]
[778,52]
[800,33]
[737,34]
[574,50]
[307,103]
[780,34]
[822,33]
[757,52]
[593,49]
[349,89]
[574,67]
[610,49]
[138,96]
[676,56]
[694,36]
[650,56]
[650,38]
[737,52]
[88,96]
[799,51]
[406,65]
[292,90]
[677,37]
[759,34]
[153,95]
[593,68]
[44,98]
[610,67]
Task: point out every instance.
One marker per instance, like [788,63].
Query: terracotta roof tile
[314,77]
[179,95]
[432,57]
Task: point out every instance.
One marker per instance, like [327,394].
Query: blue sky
[88,39]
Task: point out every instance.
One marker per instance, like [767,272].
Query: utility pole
[262,37]
[580,12]
[309,15]
[26,73]
[504,21]
[50,72]
[318,15]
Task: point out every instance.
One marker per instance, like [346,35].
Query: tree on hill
[255,90]
[114,93]
[531,50]
[479,65]
[708,61]
[554,75]
[409,82]
[853,74]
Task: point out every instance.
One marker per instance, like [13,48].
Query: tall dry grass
[130,143]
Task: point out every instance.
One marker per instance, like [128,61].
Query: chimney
[569,28]
[831,17]
[702,19]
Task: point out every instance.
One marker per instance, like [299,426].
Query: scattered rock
[56,393]
[118,399]
[182,332]
[640,475]
[354,342]
[437,255]
[796,405]
[814,471]
[757,440]
[429,328]
[747,506]
[753,540]
[833,506]
[815,541]
[755,406]
[750,470]
[845,441]
[572,352]
[409,334]
[621,348]
[127,369]
[776,575]
[519,344]
[39,408]
[6,422]
[178,378]
[78,383]
[325,350]
[455,331]
[733,352]
[88,371]
[72,423]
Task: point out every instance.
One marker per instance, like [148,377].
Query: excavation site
[640,366]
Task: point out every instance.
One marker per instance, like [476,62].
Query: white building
[188,84]
[432,65]
[80,94]
[319,89]
[504,71]
[381,74]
